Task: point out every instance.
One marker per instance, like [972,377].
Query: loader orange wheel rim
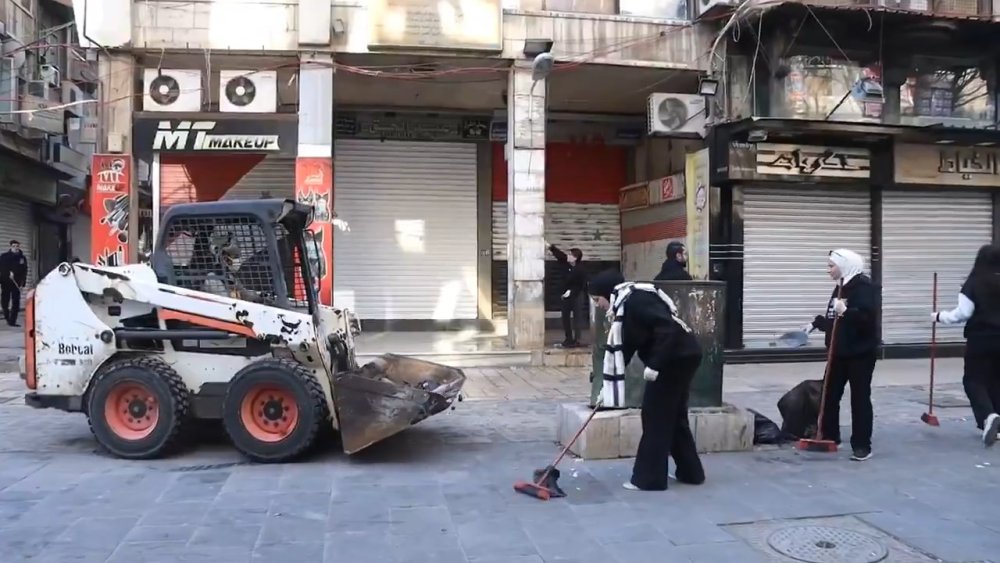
[131,410]
[269,413]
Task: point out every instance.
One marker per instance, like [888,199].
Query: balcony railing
[658,9]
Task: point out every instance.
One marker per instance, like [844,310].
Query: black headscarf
[604,283]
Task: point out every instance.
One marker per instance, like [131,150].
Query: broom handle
[930,400]
[826,372]
[569,444]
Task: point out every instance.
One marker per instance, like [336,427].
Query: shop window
[818,86]
[956,97]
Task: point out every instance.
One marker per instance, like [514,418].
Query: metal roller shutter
[787,236]
[16,222]
[272,177]
[924,232]
[411,252]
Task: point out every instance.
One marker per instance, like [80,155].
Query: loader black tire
[274,410]
[137,408]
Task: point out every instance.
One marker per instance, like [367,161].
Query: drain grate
[825,544]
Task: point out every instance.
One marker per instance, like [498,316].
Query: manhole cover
[823,544]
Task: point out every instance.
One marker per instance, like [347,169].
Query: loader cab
[252,250]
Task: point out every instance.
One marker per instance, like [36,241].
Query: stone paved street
[441,492]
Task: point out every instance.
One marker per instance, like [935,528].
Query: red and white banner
[111,179]
[314,186]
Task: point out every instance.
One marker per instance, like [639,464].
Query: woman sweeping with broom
[645,322]
[979,308]
[855,346]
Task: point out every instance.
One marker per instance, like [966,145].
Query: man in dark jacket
[571,293]
[13,276]
[649,326]
[855,349]
[674,267]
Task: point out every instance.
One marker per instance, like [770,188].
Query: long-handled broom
[929,417]
[546,480]
[818,444]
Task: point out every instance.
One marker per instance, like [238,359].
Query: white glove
[839,306]
[650,374]
[934,317]
[565,295]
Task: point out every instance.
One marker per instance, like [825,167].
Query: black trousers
[982,380]
[572,327]
[10,298]
[856,371]
[666,432]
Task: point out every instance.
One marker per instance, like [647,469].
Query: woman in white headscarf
[855,304]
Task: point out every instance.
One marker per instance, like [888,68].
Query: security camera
[542,66]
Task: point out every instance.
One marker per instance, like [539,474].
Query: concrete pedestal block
[615,433]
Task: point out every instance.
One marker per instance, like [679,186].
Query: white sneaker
[991,429]
[628,485]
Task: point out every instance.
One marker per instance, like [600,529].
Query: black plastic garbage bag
[799,408]
[765,431]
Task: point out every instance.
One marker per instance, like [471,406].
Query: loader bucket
[390,394]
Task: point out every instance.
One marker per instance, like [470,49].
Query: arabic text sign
[947,165]
[812,161]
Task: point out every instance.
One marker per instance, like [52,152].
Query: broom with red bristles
[818,444]
[929,417]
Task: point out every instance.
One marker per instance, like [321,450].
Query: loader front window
[295,264]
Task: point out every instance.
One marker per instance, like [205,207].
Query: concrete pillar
[116,97]
[314,161]
[526,208]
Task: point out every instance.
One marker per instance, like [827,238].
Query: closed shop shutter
[17,223]
[925,232]
[411,252]
[273,177]
[788,234]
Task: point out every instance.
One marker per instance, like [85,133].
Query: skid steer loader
[223,324]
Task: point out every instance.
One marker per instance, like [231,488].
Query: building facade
[861,126]
[451,157]
[47,133]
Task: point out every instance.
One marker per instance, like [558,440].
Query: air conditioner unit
[37,88]
[171,90]
[248,91]
[8,90]
[675,114]
[703,8]
[49,73]
[72,95]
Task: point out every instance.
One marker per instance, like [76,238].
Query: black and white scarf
[613,390]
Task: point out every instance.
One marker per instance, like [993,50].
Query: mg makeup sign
[267,135]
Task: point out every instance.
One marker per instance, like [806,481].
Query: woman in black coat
[645,322]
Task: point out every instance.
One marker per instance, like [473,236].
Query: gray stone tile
[420,521]
[494,537]
[306,552]
[721,552]
[179,513]
[226,536]
[647,552]
[510,559]
[175,533]
[358,516]
[97,532]
[350,546]
[287,528]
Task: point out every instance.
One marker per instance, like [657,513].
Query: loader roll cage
[255,250]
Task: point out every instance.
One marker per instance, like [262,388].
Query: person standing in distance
[674,268]
[979,308]
[573,286]
[13,276]
[854,349]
